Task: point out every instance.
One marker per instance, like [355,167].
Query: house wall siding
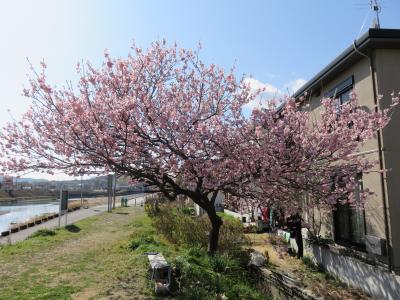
[387,66]
[363,87]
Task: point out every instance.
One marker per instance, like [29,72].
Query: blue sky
[281,43]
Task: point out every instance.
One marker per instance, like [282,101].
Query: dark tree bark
[300,247]
[213,237]
[208,204]
[206,200]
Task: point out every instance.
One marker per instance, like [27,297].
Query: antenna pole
[377,9]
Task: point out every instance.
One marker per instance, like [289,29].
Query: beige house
[369,67]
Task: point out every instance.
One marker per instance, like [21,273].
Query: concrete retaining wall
[373,280]
[281,286]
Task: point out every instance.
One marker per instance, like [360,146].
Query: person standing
[294,225]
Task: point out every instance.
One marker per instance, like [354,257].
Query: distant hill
[28,180]
[103,178]
[96,179]
[31,180]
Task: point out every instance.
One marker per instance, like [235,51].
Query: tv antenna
[377,9]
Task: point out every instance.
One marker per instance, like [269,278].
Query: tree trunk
[300,247]
[213,236]
[207,204]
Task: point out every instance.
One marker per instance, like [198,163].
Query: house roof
[372,39]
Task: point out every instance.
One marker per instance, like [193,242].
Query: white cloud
[270,92]
[293,86]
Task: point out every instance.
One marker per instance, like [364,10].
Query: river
[22,211]
[15,212]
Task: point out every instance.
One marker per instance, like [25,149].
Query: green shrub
[141,240]
[196,251]
[232,236]
[188,211]
[190,231]
[43,232]
[180,228]
[220,263]
[225,216]
[151,209]
[195,293]
[206,276]
[241,290]
[198,275]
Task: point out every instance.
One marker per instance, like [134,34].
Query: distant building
[219,205]
[7,183]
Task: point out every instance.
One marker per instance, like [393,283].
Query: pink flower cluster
[163,117]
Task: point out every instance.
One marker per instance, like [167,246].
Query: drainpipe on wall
[381,162]
[381,166]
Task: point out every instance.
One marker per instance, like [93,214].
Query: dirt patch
[320,283]
[85,294]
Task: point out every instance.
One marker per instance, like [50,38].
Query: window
[342,91]
[344,97]
[228,196]
[349,221]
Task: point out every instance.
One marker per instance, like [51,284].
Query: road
[72,217]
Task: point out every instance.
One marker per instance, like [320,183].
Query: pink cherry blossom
[164,118]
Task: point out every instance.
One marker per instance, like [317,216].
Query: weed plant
[182,239]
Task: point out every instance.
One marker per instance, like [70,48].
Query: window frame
[340,89]
[351,211]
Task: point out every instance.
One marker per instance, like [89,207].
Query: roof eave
[373,38]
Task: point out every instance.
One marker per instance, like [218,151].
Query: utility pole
[114,188]
[64,195]
[81,193]
[109,191]
[59,210]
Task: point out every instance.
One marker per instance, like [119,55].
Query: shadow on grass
[122,213]
[43,232]
[72,228]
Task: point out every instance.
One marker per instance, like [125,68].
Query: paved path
[72,217]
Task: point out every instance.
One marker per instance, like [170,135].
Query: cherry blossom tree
[292,154]
[160,116]
[165,118]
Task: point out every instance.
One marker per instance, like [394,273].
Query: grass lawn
[88,260]
[198,276]
[102,257]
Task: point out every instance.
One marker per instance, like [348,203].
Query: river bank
[26,199]
[18,216]
[54,196]
[89,259]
